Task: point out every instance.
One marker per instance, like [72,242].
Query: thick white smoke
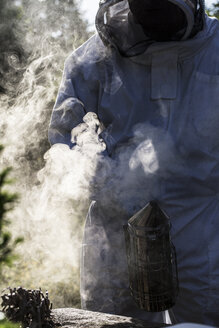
[55,192]
[45,215]
[30,73]
[118,185]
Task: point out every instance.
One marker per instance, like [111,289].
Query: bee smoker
[151,260]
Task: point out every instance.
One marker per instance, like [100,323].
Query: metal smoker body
[151,259]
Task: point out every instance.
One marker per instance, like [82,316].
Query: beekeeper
[154,62]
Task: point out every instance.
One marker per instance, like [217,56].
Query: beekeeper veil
[132,25]
[165,20]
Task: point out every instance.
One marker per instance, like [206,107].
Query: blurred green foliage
[7,324]
[214,11]
[7,201]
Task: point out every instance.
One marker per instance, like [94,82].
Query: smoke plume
[57,184]
[35,41]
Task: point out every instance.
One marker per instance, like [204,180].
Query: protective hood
[118,28]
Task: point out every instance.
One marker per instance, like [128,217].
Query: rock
[69,318]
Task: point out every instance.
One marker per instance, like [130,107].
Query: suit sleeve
[68,111]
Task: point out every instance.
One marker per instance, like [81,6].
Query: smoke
[32,54]
[132,175]
[116,185]
[57,184]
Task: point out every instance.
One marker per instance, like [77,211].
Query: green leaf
[7,202]
[7,324]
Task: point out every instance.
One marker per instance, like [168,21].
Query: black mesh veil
[118,28]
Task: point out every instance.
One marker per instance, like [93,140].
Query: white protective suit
[173,87]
